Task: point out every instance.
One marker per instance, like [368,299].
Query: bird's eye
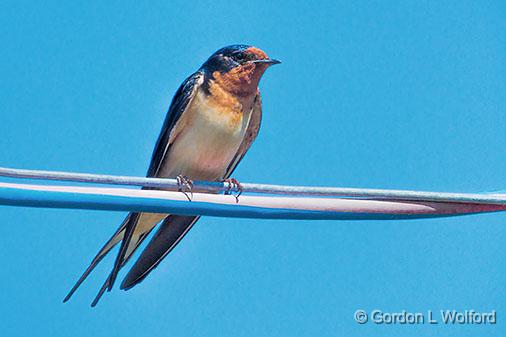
[240,56]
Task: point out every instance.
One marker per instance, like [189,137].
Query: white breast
[206,144]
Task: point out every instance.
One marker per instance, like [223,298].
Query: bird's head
[237,68]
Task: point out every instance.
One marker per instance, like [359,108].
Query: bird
[213,119]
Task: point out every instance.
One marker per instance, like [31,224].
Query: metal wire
[205,186]
[211,204]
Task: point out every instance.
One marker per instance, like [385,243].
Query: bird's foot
[185,185]
[233,185]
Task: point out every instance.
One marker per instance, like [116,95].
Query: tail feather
[100,293]
[127,237]
[136,230]
[141,223]
[132,232]
[113,241]
[171,231]
[146,224]
[132,248]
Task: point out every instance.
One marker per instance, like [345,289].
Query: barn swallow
[212,121]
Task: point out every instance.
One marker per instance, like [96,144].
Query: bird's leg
[233,185]
[185,186]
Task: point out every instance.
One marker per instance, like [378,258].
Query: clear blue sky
[370,94]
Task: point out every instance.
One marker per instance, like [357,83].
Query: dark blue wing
[172,235]
[179,103]
[168,235]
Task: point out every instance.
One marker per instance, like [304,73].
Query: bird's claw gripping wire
[233,185]
[185,186]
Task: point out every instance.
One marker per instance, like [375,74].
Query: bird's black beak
[269,62]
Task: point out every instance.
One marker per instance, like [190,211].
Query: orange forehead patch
[258,52]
